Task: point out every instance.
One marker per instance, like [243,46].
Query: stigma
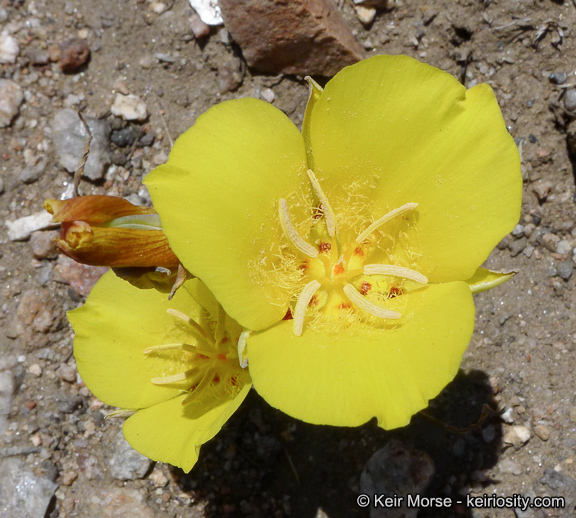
[338,276]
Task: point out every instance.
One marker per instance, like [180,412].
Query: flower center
[214,373]
[338,276]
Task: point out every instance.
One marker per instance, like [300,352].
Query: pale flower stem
[301,305]
[291,232]
[360,301]
[198,332]
[328,212]
[397,271]
[384,219]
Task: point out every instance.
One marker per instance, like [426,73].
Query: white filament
[397,271]
[328,212]
[291,232]
[384,219]
[360,301]
[301,305]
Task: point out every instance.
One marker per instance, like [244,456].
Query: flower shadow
[264,463]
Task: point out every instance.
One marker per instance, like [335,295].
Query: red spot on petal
[202,357]
[313,301]
[221,356]
[304,265]
[224,340]
[395,291]
[234,381]
[338,269]
[216,379]
[344,305]
[365,288]
[288,315]
[324,248]
[358,251]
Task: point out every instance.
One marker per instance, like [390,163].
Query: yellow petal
[404,132]
[112,330]
[484,280]
[345,379]
[167,433]
[218,197]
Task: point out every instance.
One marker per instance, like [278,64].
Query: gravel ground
[60,457]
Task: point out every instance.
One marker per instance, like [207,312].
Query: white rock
[158,7]
[516,435]
[129,107]
[365,14]
[9,48]
[208,10]
[268,95]
[22,228]
[508,415]
[563,247]
[11,98]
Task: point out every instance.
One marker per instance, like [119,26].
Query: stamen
[196,391]
[397,271]
[175,378]
[301,305]
[291,232]
[384,219]
[328,212]
[242,353]
[360,301]
[197,330]
[167,347]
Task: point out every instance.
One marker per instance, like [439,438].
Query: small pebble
[66,373]
[32,174]
[268,95]
[518,230]
[73,54]
[508,415]
[43,246]
[542,431]
[21,228]
[158,7]
[129,107]
[517,246]
[11,97]
[570,100]
[199,28]
[573,415]
[528,251]
[147,61]
[124,137]
[510,466]
[366,15]
[35,370]
[543,189]
[565,269]
[9,48]
[158,478]
[516,435]
[563,247]
[558,78]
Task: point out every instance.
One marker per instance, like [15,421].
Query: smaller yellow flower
[174,363]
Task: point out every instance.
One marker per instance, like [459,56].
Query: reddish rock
[43,245]
[79,276]
[74,53]
[37,315]
[304,37]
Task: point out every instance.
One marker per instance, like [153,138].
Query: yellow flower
[174,363]
[346,248]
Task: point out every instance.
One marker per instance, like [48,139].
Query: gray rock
[6,396]
[558,78]
[22,494]
[396,470]
[565,269]
[70,138]
[570,100]
[126,463]
[11,97]
[517,246]
[33,173]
